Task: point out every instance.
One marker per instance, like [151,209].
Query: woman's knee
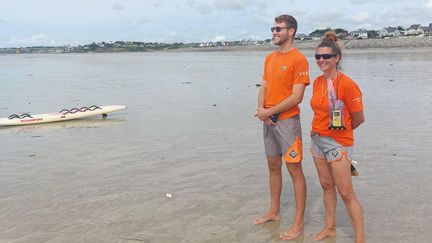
[327,185]
[347,194]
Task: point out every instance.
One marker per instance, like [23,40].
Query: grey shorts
[327,148]
[284,139]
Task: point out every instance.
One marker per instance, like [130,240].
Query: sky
[79,22]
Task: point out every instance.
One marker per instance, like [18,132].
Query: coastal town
[416,36]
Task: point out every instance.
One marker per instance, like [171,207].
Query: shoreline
[411,43]
[375,45]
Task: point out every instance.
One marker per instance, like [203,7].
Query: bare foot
[326,232]
[291,234]
[266,218]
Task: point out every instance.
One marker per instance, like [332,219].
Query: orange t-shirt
[346,90]
[281,72]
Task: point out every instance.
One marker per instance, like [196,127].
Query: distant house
[302,37]
[389,32]
[414,29]
[359,34]
[316,36]
[427,30]
[206,44]
[219,43]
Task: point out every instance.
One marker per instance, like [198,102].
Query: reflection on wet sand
[71,124]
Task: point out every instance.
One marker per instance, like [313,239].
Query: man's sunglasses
[278,28]
[325,56]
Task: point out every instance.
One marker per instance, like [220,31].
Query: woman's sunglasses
[278,28]
[325,56]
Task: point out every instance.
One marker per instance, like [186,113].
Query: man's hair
[289,20]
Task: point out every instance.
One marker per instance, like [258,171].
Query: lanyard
[331,93]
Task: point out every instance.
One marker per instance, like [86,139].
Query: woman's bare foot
[326,232]
[266,218]
[291,234]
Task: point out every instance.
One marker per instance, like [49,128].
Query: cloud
[159,3]
[375,1]
[202,7]
[39,39]
[362,1]
[196,20]
[255,37]
[143,21]
[118,6]
[219,38]
[232,4]
[326,17]
[406,16]
[360,18]
[262,5]
[16,41]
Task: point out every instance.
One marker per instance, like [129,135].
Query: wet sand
[189,131]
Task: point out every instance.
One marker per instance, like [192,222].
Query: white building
[389,31]
[359,34]
[427,30]
[414,29]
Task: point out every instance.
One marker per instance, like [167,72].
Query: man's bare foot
[291,234]
[266,218]
[326,232]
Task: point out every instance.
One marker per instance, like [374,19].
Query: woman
[338,110]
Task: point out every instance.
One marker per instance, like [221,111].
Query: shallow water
[189,131]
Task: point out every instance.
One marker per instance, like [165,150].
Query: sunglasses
[278,28]
[325,56]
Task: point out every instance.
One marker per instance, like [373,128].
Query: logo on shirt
[356,99]
[305,73]
[284,68]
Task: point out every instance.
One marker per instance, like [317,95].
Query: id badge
[336,120]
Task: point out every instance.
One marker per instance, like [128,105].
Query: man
[284,81]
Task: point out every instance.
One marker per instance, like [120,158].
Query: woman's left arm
[357,118]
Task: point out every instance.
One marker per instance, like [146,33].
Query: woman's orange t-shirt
[281,72]
[347,91]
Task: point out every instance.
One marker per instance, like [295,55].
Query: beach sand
[189,131]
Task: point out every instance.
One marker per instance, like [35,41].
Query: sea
[185,161]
